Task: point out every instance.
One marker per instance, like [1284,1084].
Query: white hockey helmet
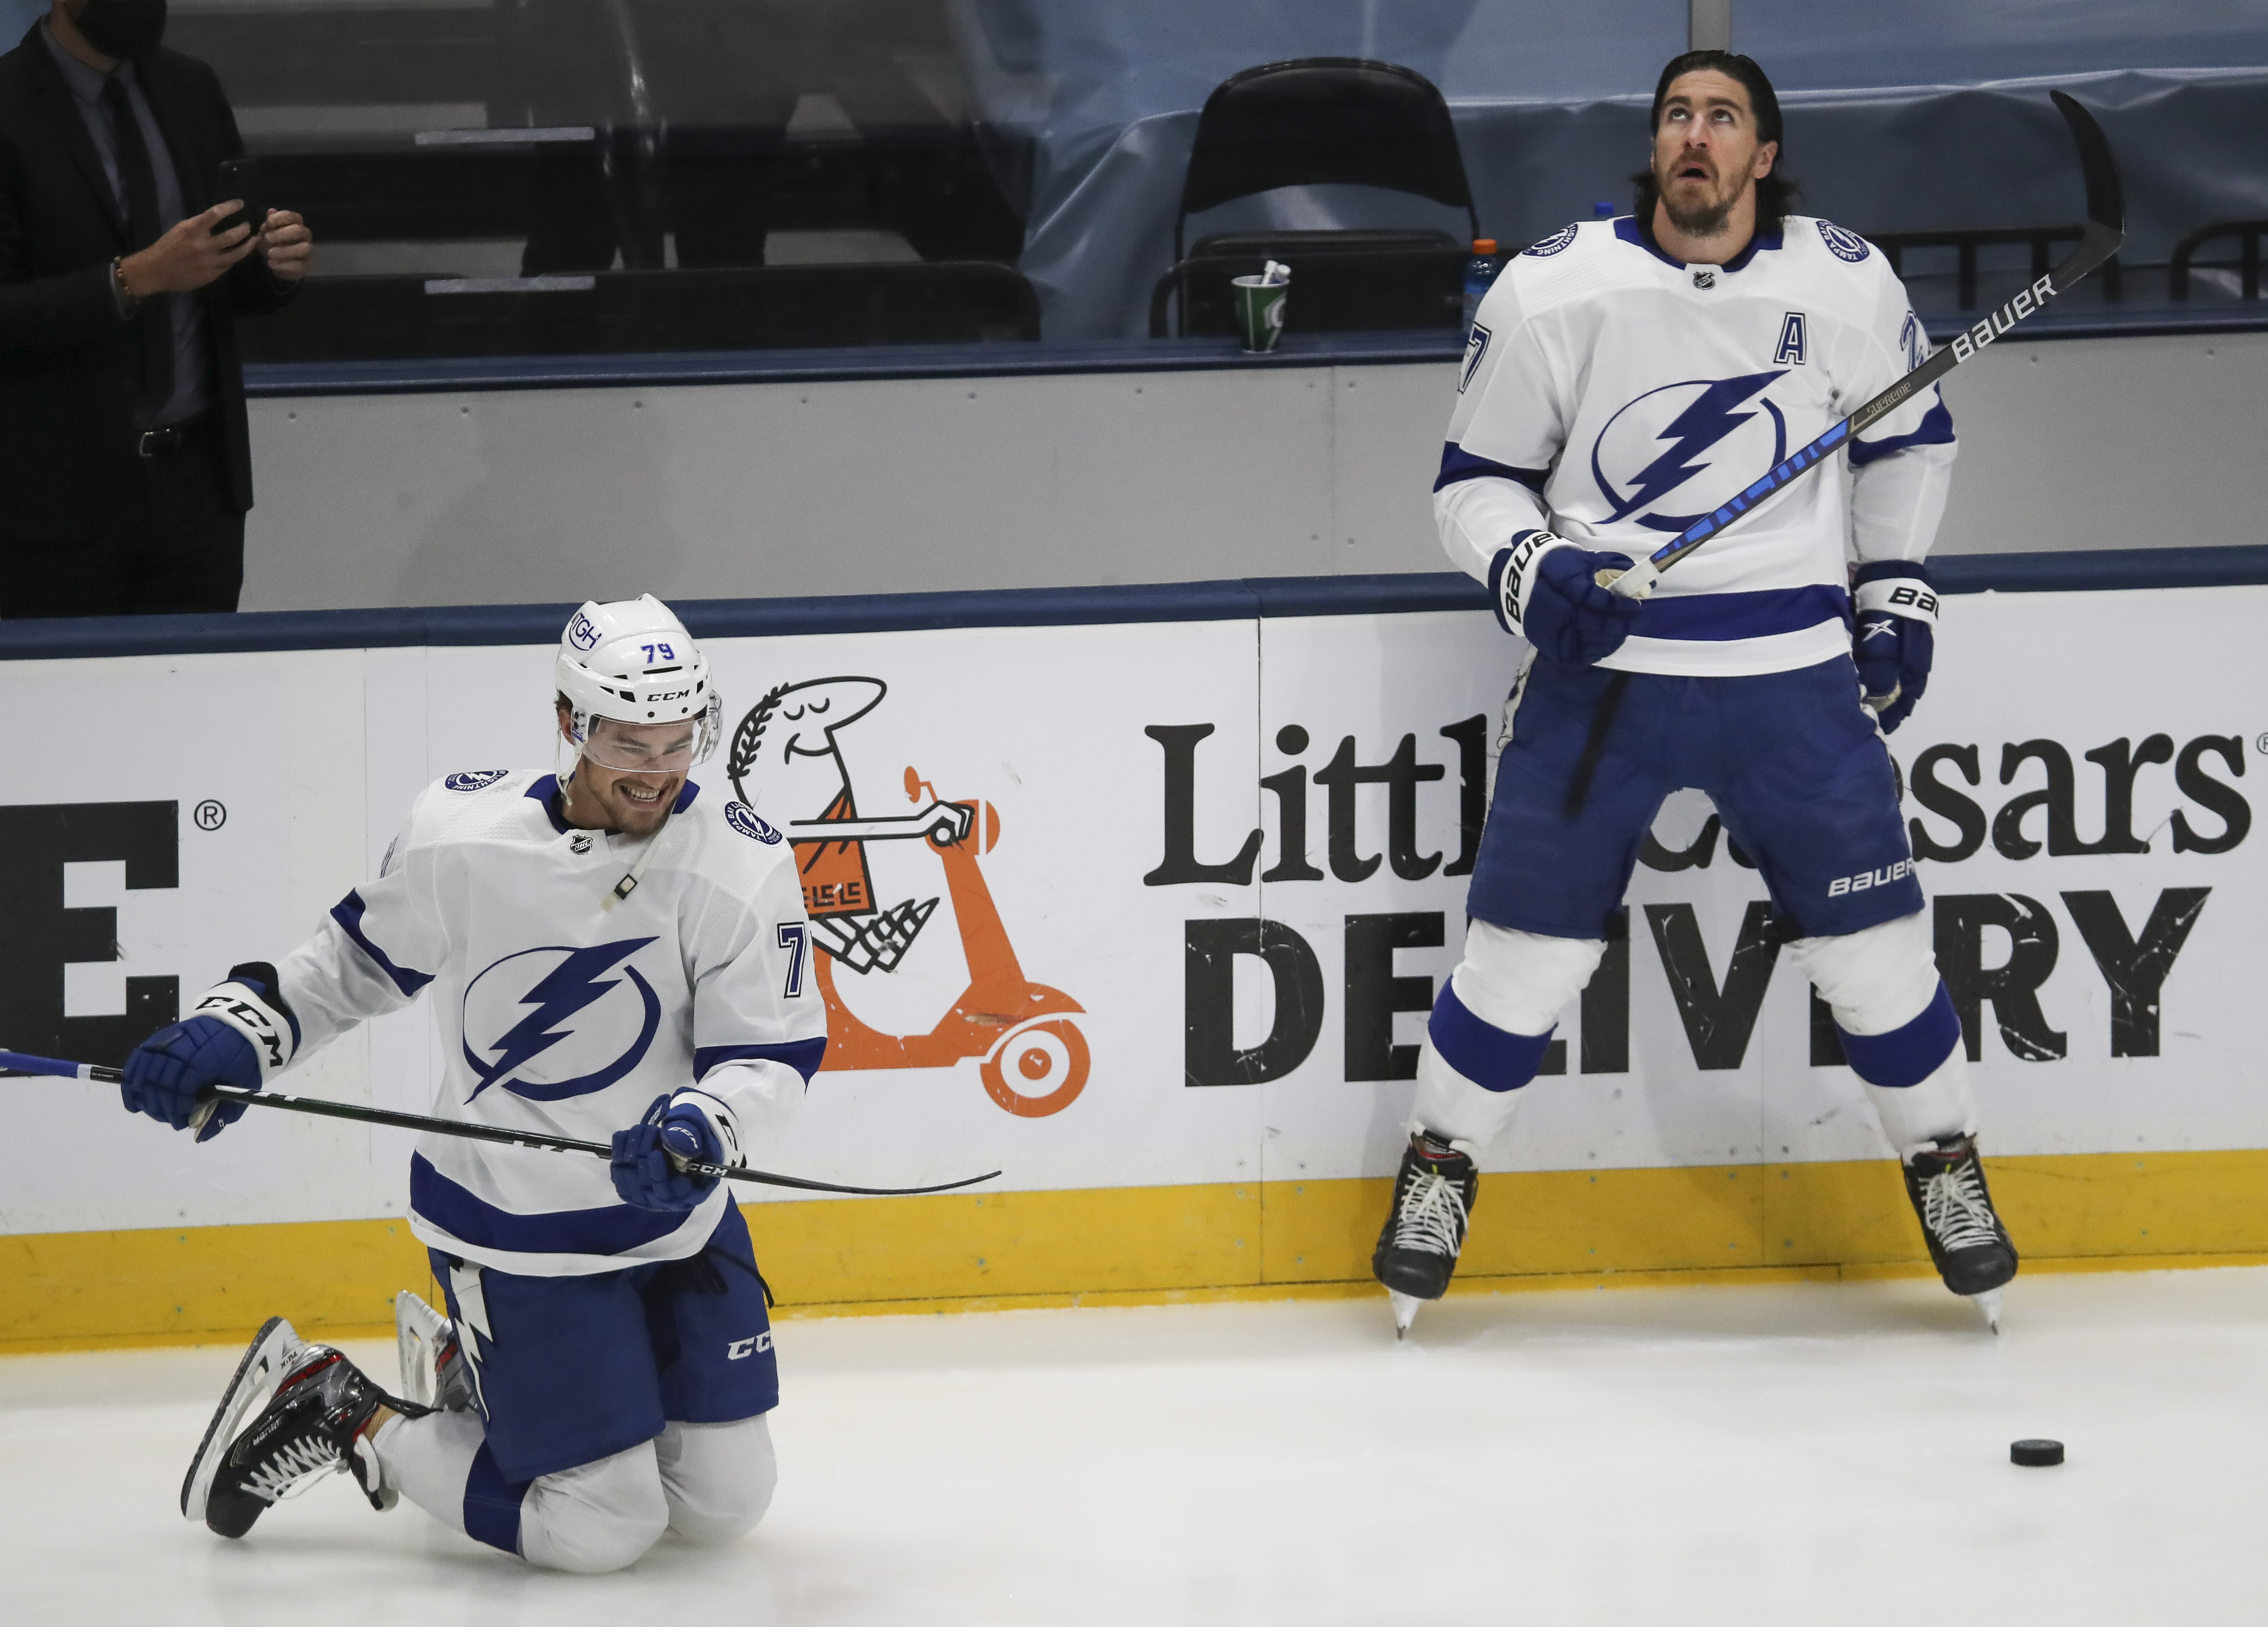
[632,661]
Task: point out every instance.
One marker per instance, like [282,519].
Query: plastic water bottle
[1480,271]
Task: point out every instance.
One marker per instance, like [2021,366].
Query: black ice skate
[310,1426]
[435,1372]
[1967,1242]
[1418,1249]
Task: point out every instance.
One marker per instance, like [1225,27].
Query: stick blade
[2106,196]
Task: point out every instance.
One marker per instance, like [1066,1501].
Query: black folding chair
[1323,120]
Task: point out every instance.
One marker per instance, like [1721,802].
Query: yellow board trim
[1163,1245]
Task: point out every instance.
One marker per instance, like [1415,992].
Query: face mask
[126,29]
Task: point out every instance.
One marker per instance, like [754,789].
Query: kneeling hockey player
[1624,378]
[612,948]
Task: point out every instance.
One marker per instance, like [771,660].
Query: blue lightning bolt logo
[575,983]
[1707,419]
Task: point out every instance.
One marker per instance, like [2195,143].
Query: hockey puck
[2036,1454]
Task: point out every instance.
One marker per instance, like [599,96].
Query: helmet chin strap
[627,885]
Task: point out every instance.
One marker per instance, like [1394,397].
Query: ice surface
[1753,1455]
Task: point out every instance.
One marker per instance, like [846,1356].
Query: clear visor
[650,748]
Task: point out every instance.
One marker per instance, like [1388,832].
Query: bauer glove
[1895,637]
[1547,590]
[240,1033]
[693,1126]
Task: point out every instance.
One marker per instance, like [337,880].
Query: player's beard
[638,818]
[622,814]
[1701,219]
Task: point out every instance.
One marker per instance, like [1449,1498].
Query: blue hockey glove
[642,1173]
[1896,637]
[239,1033]
[1546,590]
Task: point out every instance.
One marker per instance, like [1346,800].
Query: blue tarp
[1901,114]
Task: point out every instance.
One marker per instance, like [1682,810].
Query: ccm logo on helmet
[1866,878]
[674,695]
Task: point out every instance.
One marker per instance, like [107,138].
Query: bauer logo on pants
[869,879]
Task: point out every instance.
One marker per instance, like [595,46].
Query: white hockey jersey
[556,1017]
[1614,395]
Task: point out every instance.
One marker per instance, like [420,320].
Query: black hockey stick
[17,1062]
[2106,229]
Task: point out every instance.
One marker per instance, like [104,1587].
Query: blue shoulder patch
[1545,247]
[1844,245]
[476,780]
[743,818]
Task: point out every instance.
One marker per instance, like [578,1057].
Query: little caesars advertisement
[1164,903]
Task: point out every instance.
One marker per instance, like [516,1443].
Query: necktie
[143,228]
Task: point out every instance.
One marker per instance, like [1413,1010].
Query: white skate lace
[293,1468]
[1954,1209]
[1432,1217]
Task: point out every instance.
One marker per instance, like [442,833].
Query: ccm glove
[1546,591]
[240,1033]
[693,1126]
[1895,637]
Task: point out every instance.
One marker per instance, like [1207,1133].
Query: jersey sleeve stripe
[1936,430]
[1718,617]
[803,1056]
[1457,465]
[348,912]
[617,1228]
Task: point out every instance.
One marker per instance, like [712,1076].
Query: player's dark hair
[1776,192]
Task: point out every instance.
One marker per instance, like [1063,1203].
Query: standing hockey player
[1624,378]
[611,949]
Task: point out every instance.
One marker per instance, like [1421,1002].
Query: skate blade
[1988,1305]
[265,1362]
[413,1344]
[1405,1311]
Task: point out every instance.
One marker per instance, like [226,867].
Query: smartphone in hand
[239,178]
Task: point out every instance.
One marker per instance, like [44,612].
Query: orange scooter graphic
[1035,1060]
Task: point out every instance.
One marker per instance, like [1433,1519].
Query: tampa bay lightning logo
[475,780]
[517,1029]
[1545,247]
[1842,244]
[1700,440]
[744,818]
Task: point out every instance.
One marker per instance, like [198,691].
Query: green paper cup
[1260,311]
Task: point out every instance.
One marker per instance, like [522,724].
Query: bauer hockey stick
[17,1062]
[2106,229]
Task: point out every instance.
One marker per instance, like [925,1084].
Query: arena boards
[1173,981]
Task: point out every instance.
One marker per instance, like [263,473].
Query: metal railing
[1968,240]
[2246,265]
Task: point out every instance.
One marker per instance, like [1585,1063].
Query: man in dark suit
[126,457]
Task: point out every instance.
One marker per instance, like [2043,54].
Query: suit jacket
[69,364]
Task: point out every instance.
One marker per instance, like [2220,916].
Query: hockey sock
[429,1462]
[1916,1075]
[1469,1073]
